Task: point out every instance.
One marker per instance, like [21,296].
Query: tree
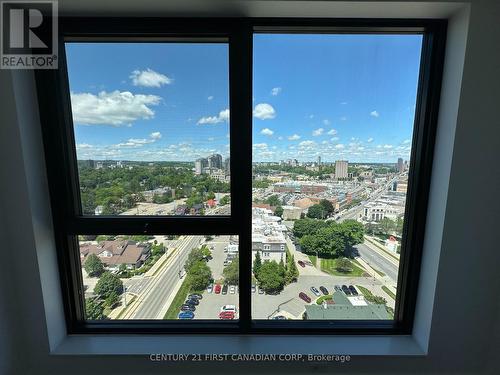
[353,232]
[210,195]
[386,225]
[292,273]
[112,299]
[257,264]
[107,284]
[344,265]
[327,242]
[278,211]
[93,265]
[93,310]
[194,256]
[327,206]
[231,272]
[273,200]
[199,276]
[302,227]
[206,251]
[282,269]
[270,277]
[224,200]
[399,226]
[316,212]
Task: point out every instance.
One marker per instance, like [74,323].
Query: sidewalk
[393,258]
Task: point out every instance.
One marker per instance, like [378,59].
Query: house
[117,252]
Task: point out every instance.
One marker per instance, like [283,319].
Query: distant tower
[341,167]
[400,165]
[319,161]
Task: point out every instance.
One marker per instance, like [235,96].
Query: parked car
[253,288]
[338,288]
[301,263]
[186,315]
[315,291]
[224,289]
[197,296]
[228,308]
[261,291]
[226,315]
[192,301]
[305,297]
[353,290]
[187,307]
[227,262]
[323,290]
[232,289]
[346,290]
[279,317]
[210,288]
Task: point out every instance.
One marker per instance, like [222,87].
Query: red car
[301,263]
[217,288]
[304,297]
[226,315]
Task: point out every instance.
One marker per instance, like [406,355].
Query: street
[377,261]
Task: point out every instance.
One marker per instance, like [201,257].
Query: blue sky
[335,96]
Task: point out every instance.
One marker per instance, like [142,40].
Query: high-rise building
[199,165]
[215,161]
[341,167]
[400,165]
[319,161]
[227,166]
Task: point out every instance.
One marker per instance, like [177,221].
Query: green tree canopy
[231,272]
[257,264]
[93,265]
[194,256]
[278,211]
[316,212]
[273,200]
[107,284]
[270,277]
[327,206]
[93,310]
[307,226]
[199,275]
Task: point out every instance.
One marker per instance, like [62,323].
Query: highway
[377,261]
[162,286]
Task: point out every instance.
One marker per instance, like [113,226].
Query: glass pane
[160,277]
[332,132]
[151,124]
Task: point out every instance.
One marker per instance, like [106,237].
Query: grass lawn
[320,300]
[388,291]
[312,258]
[330,266]
[178,300]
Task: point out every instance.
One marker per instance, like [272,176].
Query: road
[163,286]
[377,261]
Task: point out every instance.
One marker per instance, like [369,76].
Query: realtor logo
[28,35]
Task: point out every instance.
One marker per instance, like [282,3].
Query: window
[200,185]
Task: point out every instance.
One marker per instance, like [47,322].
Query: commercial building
[268,235]
[291,212]
[341,167]
[400,165]
[117,252]
[299,187]
[342,307]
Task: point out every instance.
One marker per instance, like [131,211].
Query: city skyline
[169,102]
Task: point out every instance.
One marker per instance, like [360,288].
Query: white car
[232,289]
[210,288]
[315,291]
[228,308]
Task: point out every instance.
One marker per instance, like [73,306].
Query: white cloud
[211,139]
[135,142]
[116,108]
[311,116]
[307,144]
[374,114]
[155,135]
[276,91]
[266,131]
[343,118]
[318,132]
[280,138]
[387,147]
[293,137]
[326,122]
[260,146]
[369,140]
[149,78]
[334,139]
[264,111]
[83,146]
[339,146]
[406,141]
[343,103]
[332,132]
[210,97]
[221,117]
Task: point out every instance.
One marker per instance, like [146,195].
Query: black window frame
[60,154]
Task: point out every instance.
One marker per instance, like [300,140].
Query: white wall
[464,319]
